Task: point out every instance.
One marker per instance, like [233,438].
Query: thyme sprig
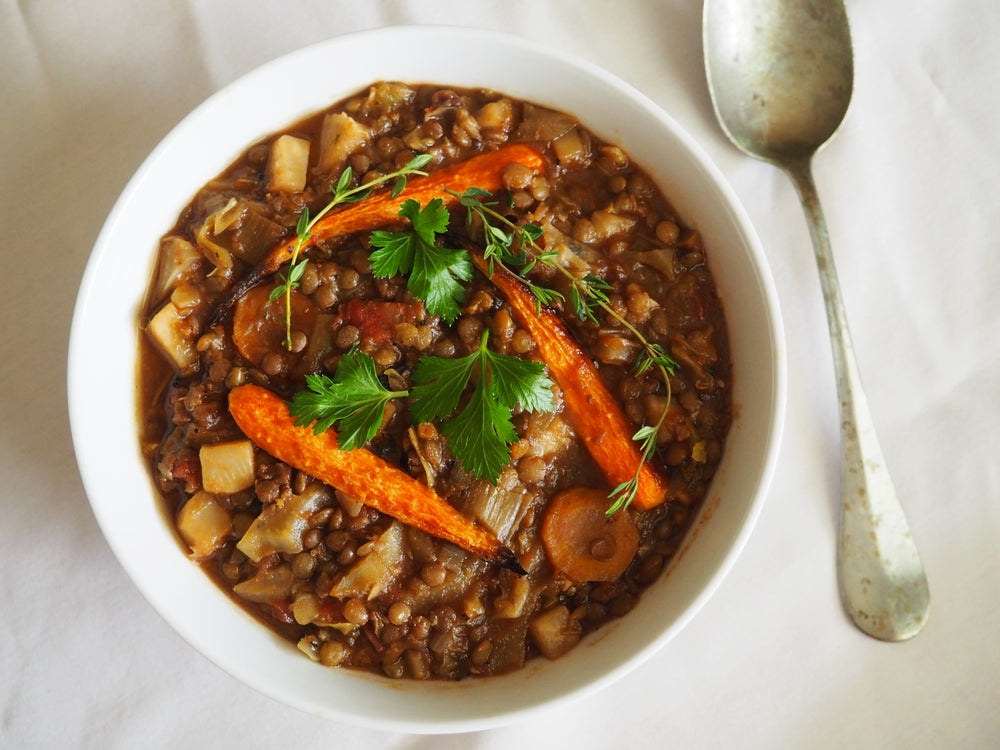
[516,246]
[343,193]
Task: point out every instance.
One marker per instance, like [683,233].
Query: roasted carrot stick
[600,422]
[263,416]
[484,171]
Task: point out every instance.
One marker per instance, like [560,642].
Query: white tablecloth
[911,193]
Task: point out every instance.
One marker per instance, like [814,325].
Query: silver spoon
[780,73]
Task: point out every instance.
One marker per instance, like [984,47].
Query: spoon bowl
[780,74]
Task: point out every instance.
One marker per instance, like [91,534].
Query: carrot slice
[263,416]
[484,171]
[582,542]
[599,420]
[258,323]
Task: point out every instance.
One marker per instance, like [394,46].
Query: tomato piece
[376,319]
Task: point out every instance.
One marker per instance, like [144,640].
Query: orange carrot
[599,420]
[484,171]
[582,542]
[263,416]
[258,327]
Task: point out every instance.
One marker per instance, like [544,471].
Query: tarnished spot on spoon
[781,75]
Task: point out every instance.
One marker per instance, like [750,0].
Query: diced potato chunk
[340,137]
[175,335]
[204,524]
[572,262]
[614,348]
[509,645]
[555,631]
[540,124]
[288,164]
[348,504]
[662,259]
[572,149]
[227,467]
[177,259]
[496,117]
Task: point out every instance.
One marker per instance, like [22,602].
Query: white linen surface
[910,190]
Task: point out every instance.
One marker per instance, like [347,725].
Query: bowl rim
[105,504]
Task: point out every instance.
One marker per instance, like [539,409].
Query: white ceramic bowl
[102,372]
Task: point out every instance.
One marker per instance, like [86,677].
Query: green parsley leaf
[429,221]
[436,279]
[435,274]
[481,433]
[395,254]
[440,384]
[354,399]
[520,381]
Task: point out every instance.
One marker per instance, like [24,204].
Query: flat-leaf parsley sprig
[481,431]
[342,193]
[435,275]
[478,429]
[511,244]
[354,399]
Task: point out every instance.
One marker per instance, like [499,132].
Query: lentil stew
[354,585]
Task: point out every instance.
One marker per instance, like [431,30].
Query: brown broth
[443,613]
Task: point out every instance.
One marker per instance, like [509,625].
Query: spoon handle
[882,582]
